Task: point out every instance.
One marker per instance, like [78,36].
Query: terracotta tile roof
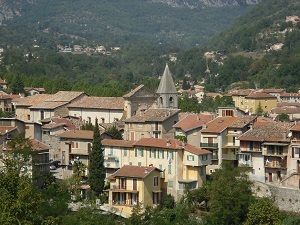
[153,115]
[290,95]
[32,100]
[3,82]
[273,90]
[173,144]
[38,146]
[117,143]
[33,88]
[243,92]
[99,103]
[281,104]
[48,105]
[211,94]
[53,125]
[132,92]
[77,134]
[242,121]
[6,129]
[218,125]
[270,131]
[4,95]
[193,121]
[286,110]
[133,171]
[260,95]
[65,96]
[296,127]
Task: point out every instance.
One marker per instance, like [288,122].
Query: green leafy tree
[283,117]
[259,110]
[113,130]
[96,168]
[17,85]
[262,212]
[229,193]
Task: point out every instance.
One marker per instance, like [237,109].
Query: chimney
[198,118]
[146,171]
[284,134]
[168,142]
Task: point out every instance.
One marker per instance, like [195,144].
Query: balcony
[229,156]
[295,142]
[214,157]
[209,145]
[113,165]
[120,188]
[245,164]
[243,149]
[275,164]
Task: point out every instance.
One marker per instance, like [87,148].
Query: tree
[229,193]
[262,212]
[113,130]
[259,110]
[20,200]
[283,117]
[96,168]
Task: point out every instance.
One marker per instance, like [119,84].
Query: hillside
[261,50]
[182,24]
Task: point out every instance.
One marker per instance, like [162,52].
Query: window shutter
[135,152]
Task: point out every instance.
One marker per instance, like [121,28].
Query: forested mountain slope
[179,23]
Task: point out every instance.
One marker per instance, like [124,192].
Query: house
[38,163]
[22,106]
[106,109]
[132,185]
[34,91]
[290,97]
[292,178]
[139,99]
[51,128]
[259,100]
[190,126]
[116,154]
[292,112]
[275,92]
[264,148]
[3,84]
[5,102]
[75,145]
[220,137]
[183,165]
[157,123]
[55,105]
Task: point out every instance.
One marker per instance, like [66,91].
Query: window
[155,181]
[190,158]
[155,197]
[169,169]
[139,152]
[42,115]
[103,120]
[204,157]
[28,117]
[89,119]
[202,171]
[170,183]
[139,164]
[153,153]
[170,155]
[161,154]
[89,146]
[125,151]
[111,151]
[122,183]
[160,167]
[251,145]
[130,163]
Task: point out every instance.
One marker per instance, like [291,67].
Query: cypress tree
[96,168]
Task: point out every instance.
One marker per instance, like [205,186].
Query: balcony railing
[124,187]
[295,142]
[245,164]
[275,165]
[229,156]
[215,157]
[209,145]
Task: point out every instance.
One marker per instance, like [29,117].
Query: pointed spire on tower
[166,85]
